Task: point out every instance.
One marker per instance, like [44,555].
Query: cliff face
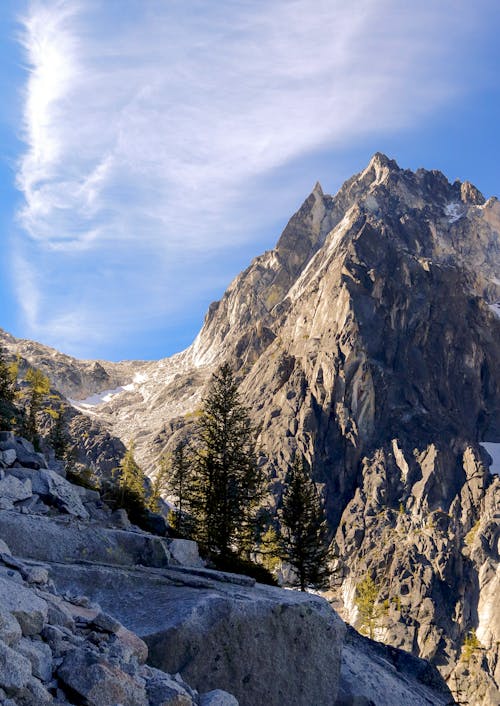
[62,549]
[369,340]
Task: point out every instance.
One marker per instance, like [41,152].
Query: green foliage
[226,483]
[270,549]
[174,478]
[471,535]
[128,491]
[370,611]
[471,645]
[304,531]
[131,477]
[232,563]
[59,437]
[8,380]
[39,387]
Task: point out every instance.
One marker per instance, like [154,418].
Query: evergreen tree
[177,483]
[369,610]
[59,437]
[39,387]
[131,478]
[8,379]
[304,532]
[270,549]
[226,482]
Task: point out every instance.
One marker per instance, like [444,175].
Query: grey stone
[120,519]
[13,489]
[62,494]
[9,456]
[87,495]
[185,552]
[15,670]
[99,682]
[35,694]
[29,610]
[105,622]
[38,575]
[217,697]
[247,640]
[10,630]
[4,549]
[48,540]
[39,655]
[162,690]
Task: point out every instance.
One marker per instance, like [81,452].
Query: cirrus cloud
[151,128]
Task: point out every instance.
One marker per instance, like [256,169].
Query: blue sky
[150,148]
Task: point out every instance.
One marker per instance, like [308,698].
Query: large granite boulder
[262,644]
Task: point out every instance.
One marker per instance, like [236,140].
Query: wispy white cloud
[148,127]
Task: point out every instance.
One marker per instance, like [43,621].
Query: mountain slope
[369,339]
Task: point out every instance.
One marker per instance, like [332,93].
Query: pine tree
[8,379]
[131,478]
[304,531]
[369,610]
[226,482]
[177,483]
[39,387]
[59,437]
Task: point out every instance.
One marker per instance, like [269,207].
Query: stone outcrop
[90,614]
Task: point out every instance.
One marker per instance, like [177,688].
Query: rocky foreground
[92,613]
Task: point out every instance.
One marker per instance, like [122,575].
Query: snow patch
[107,395]
[98,398]
[494,451]
[454,211]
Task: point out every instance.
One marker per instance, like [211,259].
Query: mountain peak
[317,189]
[380,159]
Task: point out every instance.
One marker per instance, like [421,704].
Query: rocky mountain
[368,339]
[95,611]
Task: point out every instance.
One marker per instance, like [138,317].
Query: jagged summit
[368,340]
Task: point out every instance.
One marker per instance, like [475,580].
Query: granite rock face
[368,339]
[90,615]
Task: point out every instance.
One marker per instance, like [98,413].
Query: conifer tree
[366,602]
[39,387]
[304,531]
[177,483]
[8,378]
[59,437]
[8,375]
[226,482]
[131,478]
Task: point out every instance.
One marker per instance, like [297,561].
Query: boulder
[185,552]
[10,630]
[55,540]
[15,670]
[262,644]
[40,656]
[217,697]
[59,492]
[163,690]
[13,489]
[29,610]
[98,682]
[8,456]
[25,452]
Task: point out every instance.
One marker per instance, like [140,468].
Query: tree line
[212,476]
[217,486]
